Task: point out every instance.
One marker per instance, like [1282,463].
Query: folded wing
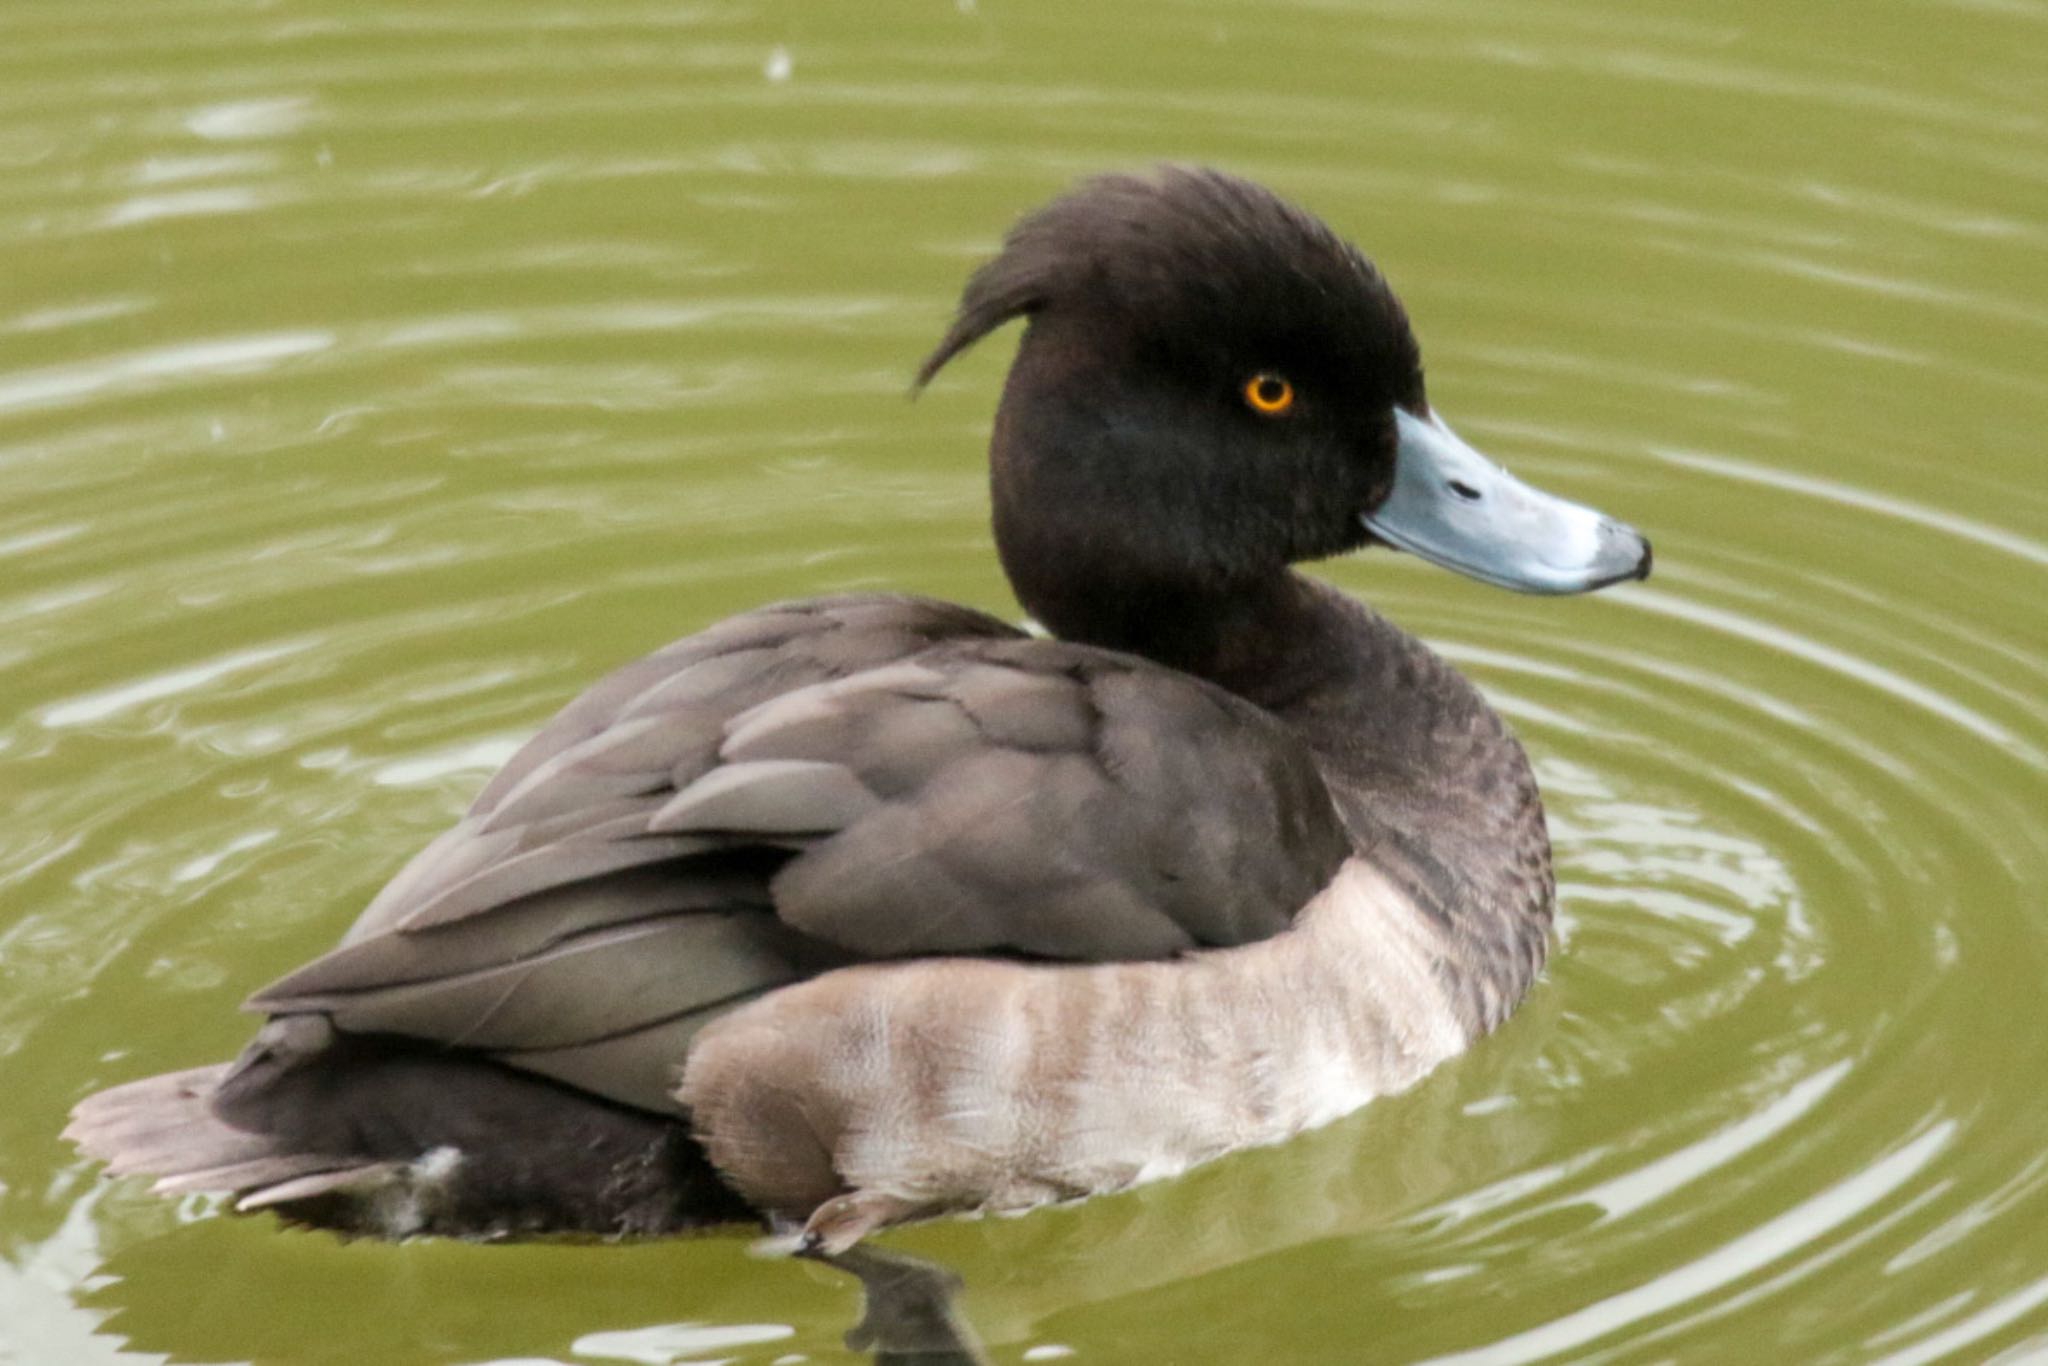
[816,784]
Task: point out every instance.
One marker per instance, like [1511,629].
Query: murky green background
[374,373]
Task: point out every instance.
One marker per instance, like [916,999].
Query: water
[372,375]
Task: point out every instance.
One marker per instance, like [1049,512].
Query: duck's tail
[166,1127]
[391,1137]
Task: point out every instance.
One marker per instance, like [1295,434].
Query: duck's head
[1213,385]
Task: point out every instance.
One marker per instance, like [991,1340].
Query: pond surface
[373,375]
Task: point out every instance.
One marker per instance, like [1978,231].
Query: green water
[373,374]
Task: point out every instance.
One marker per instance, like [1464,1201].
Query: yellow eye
[1269,394]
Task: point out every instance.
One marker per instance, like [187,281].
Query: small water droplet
[778,66]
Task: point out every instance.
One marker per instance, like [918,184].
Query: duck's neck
[1431,784]
[1372,701]
[1258,639]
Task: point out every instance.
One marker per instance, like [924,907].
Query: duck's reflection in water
[908,1313]
[244,1290]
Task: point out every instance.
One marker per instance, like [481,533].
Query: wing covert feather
[1047,799]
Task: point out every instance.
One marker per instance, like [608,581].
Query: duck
[867,908]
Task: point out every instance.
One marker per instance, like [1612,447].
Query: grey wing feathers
[553,926]
[1045,799]
[814,784]
[622,749]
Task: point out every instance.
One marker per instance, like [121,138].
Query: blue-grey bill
[1454,507]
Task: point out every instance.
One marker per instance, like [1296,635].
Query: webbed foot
[844,1220]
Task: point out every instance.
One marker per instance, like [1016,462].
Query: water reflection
[908,1313]
[1799,1228]
[181,361]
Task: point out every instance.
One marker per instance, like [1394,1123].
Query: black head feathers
[1201,262]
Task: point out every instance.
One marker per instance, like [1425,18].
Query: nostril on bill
[1464,490]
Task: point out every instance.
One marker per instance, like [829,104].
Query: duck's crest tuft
[1162,246]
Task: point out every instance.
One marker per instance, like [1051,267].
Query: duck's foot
[844,1220]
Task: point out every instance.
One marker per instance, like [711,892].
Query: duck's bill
[1454,507]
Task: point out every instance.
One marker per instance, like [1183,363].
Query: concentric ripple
[374,375]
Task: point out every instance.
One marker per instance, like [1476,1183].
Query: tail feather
[393,1137]
[161,1126]
[258,1173]
[339,1181]
[165,1127]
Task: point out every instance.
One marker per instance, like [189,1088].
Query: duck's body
[855,909]
[942,1083]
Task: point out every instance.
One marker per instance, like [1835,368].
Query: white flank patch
[437,1165]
